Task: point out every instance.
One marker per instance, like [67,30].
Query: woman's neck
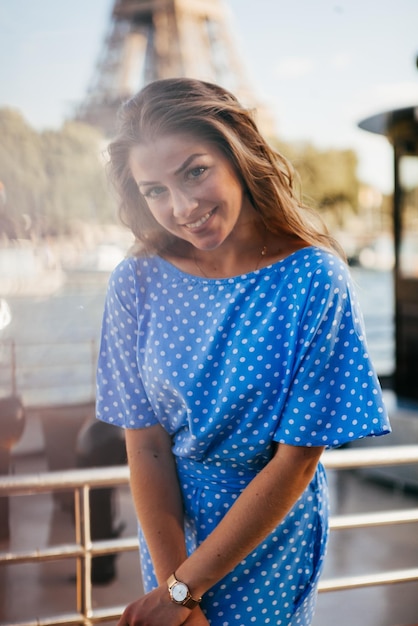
[232,258]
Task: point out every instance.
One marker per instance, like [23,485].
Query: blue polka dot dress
[228,367]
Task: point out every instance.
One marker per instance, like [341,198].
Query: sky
[321,66]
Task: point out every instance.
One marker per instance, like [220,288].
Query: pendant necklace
[262,254]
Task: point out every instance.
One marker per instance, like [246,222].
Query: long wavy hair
[213,114]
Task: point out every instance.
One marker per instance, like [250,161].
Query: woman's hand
[196,618]
[156,608]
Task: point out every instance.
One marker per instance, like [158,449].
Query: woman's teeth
[199,222]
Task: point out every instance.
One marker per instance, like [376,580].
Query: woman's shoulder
[125,276]
[316,270]
[313,259]
[133,265]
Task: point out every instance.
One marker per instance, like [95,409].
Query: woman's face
[191,188]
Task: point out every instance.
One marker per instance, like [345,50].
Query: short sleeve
[121,398]
[333,395]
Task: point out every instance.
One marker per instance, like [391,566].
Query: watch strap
[189,602]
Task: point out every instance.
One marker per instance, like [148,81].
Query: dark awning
[397,124]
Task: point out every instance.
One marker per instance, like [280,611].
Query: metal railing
[83,549]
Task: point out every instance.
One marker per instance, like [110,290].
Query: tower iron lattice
[153,39]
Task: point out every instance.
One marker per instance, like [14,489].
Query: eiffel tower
[153,39]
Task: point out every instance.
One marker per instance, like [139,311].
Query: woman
[232,353]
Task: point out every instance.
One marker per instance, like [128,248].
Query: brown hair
[214,114]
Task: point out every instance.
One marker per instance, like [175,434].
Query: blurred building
[153,39]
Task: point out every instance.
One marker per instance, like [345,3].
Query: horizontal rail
[98,548]
[364,520]
[70,550]
[346,458]
[82,480]
[368,580]
[64,479]
[352,458]
[69,619]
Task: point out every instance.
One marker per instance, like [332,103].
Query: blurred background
[312,70]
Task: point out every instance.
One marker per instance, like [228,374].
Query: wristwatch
[180,593]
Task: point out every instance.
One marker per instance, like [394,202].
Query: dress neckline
[232,279]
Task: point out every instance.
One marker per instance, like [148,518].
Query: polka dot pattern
[229,366]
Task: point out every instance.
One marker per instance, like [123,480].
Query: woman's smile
[200,222]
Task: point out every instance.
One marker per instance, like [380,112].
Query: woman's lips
[200,222]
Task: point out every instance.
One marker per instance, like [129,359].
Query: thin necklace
[263,253]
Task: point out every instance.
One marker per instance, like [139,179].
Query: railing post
[83,537]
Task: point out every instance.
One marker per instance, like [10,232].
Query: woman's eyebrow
[179,170]
[144,183]
[187,162]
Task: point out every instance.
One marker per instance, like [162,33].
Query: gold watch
[180,593]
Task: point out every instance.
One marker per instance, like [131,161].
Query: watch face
[179,592]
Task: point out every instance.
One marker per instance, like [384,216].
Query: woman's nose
[183,204]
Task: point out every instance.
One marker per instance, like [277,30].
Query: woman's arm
[257,511]
[156,494]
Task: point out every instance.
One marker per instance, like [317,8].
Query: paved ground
[28,590]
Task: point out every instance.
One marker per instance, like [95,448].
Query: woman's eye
[195,172]
[153,192]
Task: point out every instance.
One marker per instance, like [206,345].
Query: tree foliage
[21,170]
[76,188]
[52,179]
[327,178]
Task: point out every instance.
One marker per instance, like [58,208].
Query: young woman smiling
[232,354]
